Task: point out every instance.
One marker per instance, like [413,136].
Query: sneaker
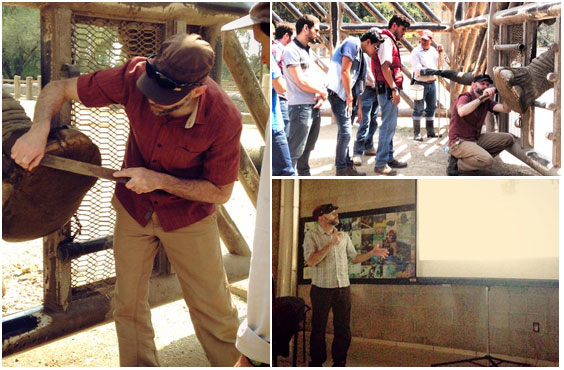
[452,169]
[418,137]
[349,171]
[433,134]
[385,170]
[370,152]
[357,160]
[397,164]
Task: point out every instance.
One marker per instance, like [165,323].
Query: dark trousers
[323,300]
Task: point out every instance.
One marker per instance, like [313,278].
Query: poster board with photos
[393,228]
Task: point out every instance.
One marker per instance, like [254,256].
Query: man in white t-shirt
[425,56]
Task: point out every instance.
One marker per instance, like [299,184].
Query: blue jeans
[281,161]
[285,117]
[344,124]
[385,152]
[429,101]
[300,125]
[365,134]
[303,162]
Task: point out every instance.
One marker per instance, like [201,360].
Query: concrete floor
[376,353]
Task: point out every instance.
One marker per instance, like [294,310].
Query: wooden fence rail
[29,81]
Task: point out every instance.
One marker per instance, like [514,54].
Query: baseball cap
[323,210]
[259,13]
[426,34]
[482,77]
[182,63]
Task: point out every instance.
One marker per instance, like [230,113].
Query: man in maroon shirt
[182,157]
[470,149]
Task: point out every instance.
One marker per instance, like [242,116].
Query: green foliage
[21,53]
[545,35]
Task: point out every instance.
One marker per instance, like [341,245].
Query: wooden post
[230,234]
[214,38]
[248,176]
[56,51]
[491,56]
[17,88]
[557,133]
[29,88]
[56,274]
[237,63]
[454,41]
[39,84]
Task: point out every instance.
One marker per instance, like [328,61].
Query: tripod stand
[491,360]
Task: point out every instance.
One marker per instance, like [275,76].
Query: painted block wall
[456,317]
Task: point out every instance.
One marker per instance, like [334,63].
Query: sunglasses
[164,81]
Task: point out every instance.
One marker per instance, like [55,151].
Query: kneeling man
[470,149]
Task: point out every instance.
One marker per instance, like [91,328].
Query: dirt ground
[22,274]
[427,158]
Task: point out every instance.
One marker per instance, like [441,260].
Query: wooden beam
[319,10]
[531,12]
[230,234]
[427,11]
[402,11]
[56,52]
[556,130]
[56,274]
[374,12]
[248,85]
[248,176]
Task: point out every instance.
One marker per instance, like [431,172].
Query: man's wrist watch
[396,89]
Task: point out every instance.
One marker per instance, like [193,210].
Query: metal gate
[97,44]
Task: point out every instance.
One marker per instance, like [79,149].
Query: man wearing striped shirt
[327,251]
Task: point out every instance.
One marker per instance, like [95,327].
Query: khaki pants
[195,254]
[474,155]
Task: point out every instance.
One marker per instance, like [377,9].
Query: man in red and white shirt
[182,157]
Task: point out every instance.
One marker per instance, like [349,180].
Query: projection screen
[487,228]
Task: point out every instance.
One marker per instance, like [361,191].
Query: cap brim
[151,89]
[485,79]
[425,37]
[242,22]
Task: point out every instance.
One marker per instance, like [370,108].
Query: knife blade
[81,168]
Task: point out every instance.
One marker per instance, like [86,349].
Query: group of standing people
[365,76]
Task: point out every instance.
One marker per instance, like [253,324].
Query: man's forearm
[469,107]
[318,256]
[388,75]
[51,100]
[362,257]
[346,78]
[199,190]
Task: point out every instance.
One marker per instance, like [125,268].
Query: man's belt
[424,82]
